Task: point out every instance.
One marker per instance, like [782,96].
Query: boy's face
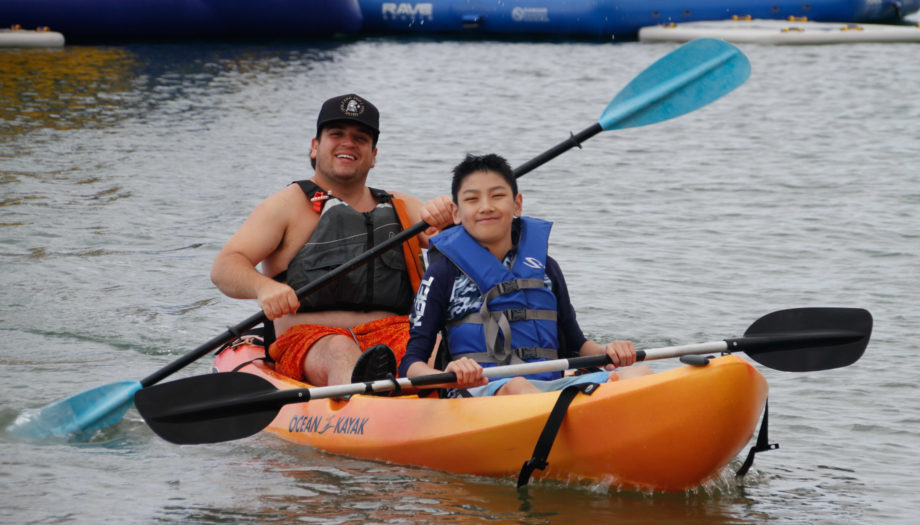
[485,208]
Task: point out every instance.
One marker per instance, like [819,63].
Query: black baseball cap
[349,107]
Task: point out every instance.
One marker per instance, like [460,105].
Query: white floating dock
[41,37]
[782,32]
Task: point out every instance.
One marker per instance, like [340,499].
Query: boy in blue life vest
[498,295]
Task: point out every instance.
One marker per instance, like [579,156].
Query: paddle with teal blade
[690,77]
[686,79]
[233,405]
[80,415]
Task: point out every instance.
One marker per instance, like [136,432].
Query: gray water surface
[123,170]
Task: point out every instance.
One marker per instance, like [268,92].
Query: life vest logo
[407,11]
[321,425]
[533,263]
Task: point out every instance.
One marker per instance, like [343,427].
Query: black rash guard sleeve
[571,338]
[429,312]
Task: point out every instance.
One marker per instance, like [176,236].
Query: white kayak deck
[783,32]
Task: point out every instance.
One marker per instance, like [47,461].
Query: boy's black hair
[490,162]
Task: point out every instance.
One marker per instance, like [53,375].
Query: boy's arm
[571,338]
[428,316]
[622,353]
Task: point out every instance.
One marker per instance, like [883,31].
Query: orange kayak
[668,431]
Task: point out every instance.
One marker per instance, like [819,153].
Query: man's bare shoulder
[286,200]
[292,192]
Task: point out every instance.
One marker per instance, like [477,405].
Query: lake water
[123,169]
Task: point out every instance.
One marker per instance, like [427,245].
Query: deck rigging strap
[548,436]
[763,443]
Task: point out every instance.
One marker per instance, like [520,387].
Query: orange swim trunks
[290,350]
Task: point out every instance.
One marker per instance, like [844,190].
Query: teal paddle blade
[78,417]
[684,80]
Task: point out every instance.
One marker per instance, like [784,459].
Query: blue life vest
[517,321]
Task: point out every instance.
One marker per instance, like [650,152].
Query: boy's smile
[486,208]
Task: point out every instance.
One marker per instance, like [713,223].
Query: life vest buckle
[527,353]
[515,314]
[506,287]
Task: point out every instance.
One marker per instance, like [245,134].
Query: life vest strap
[513,314]
[516,356]
[495,325]
[507,287]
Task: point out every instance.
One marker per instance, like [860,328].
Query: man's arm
[261,235]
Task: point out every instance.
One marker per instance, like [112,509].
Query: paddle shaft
[753,344]
[741,344]
[232,405]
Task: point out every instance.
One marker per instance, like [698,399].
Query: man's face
[344,151]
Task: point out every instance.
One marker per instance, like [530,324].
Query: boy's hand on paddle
[621,353]
[468,372]
[438,213]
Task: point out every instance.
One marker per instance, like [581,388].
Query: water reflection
[92,87]
[62,88]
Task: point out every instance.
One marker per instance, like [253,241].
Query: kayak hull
[669,431]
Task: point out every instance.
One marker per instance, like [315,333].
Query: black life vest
[341,234]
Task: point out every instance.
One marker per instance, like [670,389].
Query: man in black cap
[335,335]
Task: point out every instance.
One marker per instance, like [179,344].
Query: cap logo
[352,106]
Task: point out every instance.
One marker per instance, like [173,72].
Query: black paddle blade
[209,408]
[807,339]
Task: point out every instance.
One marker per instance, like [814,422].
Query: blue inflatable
[601,19]
[99,20]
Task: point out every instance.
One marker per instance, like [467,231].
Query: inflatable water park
[605,20]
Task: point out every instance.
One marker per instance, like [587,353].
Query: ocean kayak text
[321,425]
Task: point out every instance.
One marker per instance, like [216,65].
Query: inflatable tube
[600,19]
[100,20]
[780,32]
[42,37]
